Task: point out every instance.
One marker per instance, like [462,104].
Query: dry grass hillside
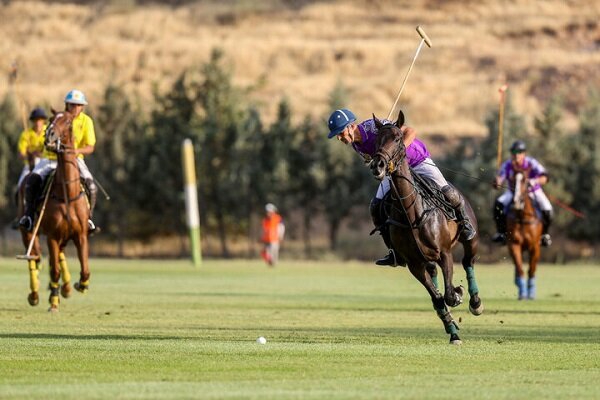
[540,47]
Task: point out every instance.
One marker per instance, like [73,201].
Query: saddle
[431,195]
[47,182]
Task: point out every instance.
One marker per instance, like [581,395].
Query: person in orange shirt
[273,231]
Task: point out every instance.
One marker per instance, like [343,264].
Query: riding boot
[500,219]
[379,219]
[546,221]
[458,204]
[93,195]
[32,190]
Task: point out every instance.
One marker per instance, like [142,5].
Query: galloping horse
[421,231]
[66,213]
[524,230]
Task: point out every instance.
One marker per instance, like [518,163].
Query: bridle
[391,159]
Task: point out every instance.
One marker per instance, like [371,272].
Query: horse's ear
[54,112]
[378,123]
[400,120]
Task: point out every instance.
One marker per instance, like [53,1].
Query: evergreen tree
[10,165]
[347,181]
[587,172]
[120,130]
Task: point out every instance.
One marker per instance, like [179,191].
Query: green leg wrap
[473,289]
[434,279]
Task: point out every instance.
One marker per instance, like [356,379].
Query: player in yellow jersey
[31,142]
[84,139]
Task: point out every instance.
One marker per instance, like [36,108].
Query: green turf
[161,329]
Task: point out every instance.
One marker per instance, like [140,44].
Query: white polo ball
[261,340]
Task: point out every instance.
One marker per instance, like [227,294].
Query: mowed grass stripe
[161,329]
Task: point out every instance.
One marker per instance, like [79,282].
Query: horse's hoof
[476,305]
[33,299]
[460,290]
[476,310]
[80,287]
[53,309]
[65,290]
[454,339]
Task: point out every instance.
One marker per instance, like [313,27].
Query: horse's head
[59,134]
[389,147]
[521,188]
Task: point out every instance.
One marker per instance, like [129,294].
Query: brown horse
[66,211]
[421,231]
[524,230]
[34,257]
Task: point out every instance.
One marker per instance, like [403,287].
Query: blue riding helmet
[339,120]
[518,146]
[75,97]
[37,113]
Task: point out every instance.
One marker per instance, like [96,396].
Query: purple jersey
[416,152]
[536,170]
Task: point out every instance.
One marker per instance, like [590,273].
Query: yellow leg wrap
[54,285]
[54,300]
[64,269]
[34,283]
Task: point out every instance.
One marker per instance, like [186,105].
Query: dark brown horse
[66,211]
[524,230]
[421,232]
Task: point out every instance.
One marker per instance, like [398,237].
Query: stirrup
[26,223]
[546,240]
[391,260]
[92,228]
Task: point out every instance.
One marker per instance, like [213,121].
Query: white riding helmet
[75,97]
[270,207]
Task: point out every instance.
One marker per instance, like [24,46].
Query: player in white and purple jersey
[537,177]
[362,136]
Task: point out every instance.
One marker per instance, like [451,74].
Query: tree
[347,182]
[120,129]
[586,172]
[10,165]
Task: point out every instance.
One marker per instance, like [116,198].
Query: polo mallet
[106,196]
[28,255]
[502,91]
[424,39]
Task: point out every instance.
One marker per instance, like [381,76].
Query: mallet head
[424,36]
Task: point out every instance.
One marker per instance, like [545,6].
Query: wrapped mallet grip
[423,35]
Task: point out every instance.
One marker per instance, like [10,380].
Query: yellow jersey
[31,142]
[83,135]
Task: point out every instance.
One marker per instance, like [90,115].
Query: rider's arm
[409,134]
[85,150]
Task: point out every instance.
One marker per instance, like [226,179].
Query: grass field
[160,329]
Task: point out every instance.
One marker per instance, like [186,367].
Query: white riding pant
[26,171]
[44,167]
[538,196]
[427,169]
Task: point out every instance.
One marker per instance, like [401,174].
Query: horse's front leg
[65,288]
[53,258]
[452,295]
[81,242]
[468,262]
[534,257]
[421,272]
[517,257]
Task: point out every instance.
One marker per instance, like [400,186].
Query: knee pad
[376,212]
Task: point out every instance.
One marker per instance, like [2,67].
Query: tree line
[243,164]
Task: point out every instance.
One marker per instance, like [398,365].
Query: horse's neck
[67,173]
[406,190]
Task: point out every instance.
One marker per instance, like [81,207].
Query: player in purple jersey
[537,177]
[361,136]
